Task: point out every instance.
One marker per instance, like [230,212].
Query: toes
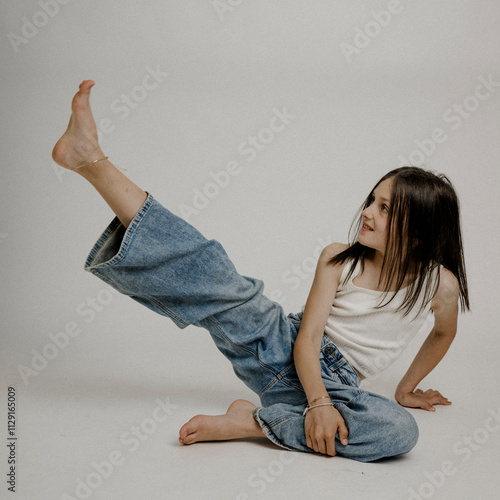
[187,437]
[190,439]
[82,96]
[86,85]
[187,434]
[183,432]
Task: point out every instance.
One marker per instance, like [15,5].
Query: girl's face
[373,233]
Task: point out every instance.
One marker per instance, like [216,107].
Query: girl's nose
[366,213]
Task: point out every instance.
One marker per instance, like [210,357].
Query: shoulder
[448,291]
[332,250]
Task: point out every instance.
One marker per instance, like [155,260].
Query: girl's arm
[445,307]
[321,424]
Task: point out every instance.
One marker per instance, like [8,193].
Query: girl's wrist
[404,387]
[314,400]
[308,408]
[401,392]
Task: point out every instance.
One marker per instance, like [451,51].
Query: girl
[406,260]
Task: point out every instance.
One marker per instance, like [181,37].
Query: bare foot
[79,144]
[237,422]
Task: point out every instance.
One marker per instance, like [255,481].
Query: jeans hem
[91,263]
[268,432]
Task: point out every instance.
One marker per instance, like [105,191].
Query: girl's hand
[321,425]
[420,399]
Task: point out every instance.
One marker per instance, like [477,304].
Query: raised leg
[166,264]
[160,260]
[79,145]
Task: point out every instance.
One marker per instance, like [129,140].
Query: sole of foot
[79,144]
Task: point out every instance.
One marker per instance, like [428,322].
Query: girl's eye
[385,207]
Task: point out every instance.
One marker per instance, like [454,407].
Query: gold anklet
[95,161]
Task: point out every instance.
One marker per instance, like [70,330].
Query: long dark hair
[423,233]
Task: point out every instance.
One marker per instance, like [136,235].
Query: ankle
[90,163]
[95,169]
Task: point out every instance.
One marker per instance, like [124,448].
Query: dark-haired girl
[367,301]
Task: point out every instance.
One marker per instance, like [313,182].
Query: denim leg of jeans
[378,427]
[167,265]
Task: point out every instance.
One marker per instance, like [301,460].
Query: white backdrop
[188,89]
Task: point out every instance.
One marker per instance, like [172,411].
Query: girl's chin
[363,243]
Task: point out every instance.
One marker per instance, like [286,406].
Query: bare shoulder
[448,291]
[328,253]
[333,249]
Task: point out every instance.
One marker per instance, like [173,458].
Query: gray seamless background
[412,92]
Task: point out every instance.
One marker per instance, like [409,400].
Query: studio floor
[101,421]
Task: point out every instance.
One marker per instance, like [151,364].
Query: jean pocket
[337,367]
[348,376]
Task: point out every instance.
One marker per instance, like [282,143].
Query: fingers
[330,447]
[343,433]
[315,443]
[323,444]
[308,441]
[321,429]
[431,398]
[427,406]
[437,398]
[321,439]
[324,441]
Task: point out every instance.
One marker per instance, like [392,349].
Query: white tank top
[372,339]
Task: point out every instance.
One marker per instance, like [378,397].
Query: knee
[397,433]
[406,430]
[378,428]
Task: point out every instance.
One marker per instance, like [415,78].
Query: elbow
[305,343]
[447,335]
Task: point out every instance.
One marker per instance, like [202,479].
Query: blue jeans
[164,263]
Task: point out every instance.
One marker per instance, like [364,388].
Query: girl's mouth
[366,228]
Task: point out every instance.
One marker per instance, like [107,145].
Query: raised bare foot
[237,422]
[79,144]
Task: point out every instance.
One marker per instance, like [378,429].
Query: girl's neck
[376,259]
[373,269]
